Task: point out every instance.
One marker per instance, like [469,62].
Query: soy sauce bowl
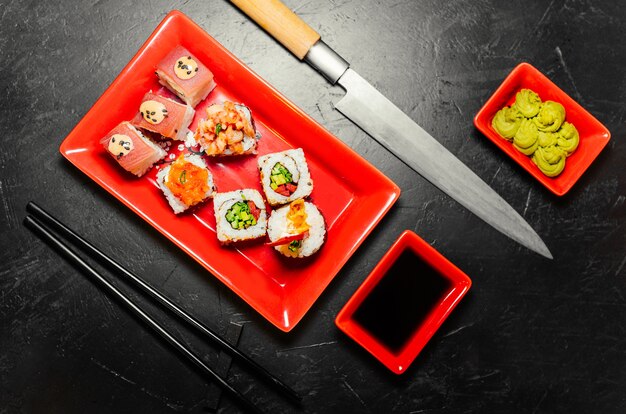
[403,301]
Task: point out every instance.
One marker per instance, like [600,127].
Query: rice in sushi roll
[297,230]
[227,130]
[164,116]
[133,152]
[186,182]
[285,176]
[183,74]
[239,215]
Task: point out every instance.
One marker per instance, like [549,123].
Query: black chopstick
[42,231]
[118,269]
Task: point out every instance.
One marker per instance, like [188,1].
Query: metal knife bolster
[326,61]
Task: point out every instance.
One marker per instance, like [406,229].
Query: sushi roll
[186,182]
[297,230]
[133,152]
[239,215]
[285,176]
[227,130]
[183,74]
[164,116]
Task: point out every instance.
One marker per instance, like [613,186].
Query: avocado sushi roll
[285,176]
[186,182]
[239,215]
[297,230]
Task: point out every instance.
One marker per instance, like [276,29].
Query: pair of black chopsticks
[45,225]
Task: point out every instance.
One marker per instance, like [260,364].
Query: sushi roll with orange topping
[186,182]
[183,74]
[133,152]
[296,230]
[239,215]
[227,130]
[285,176]
[164,116]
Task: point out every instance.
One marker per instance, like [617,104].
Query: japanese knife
[392,128]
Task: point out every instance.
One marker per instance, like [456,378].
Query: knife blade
[392,128]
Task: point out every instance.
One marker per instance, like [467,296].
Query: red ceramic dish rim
[561,184]
[399,361]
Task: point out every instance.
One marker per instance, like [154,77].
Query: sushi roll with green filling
[285,176]
[297,230]
[239,215]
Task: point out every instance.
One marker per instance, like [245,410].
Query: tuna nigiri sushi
[227,130]
[163,116]
[186,182]
[134,152]
[239,215]
[183,74]
[285,176]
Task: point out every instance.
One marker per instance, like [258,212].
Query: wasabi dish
[538,129]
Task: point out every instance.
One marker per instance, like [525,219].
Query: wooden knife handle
[283,24]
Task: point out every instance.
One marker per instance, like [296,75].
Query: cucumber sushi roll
[297,230]
[186,182]
[227,130]
[285,176]
[239,215]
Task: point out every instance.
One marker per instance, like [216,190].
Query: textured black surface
[531,336]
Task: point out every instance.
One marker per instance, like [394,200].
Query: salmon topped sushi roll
[227,130]
[186,182]
[133,152]
[297,230]
[164,116]
[183,74]
[285,176]
[239,215]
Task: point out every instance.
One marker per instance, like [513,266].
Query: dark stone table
[532,335]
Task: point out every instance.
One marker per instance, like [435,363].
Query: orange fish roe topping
[223,129]
[187,181]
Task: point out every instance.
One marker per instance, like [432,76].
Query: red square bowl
[593,135]
[403,302]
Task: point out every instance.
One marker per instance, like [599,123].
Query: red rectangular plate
[352,195]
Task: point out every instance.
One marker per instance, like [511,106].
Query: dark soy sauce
[401,301]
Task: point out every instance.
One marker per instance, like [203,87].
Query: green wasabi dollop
[550,160]
[547,139]
[525,139]
[550,117]
[527,102]
[538,129]
[506,122]
[568,138]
